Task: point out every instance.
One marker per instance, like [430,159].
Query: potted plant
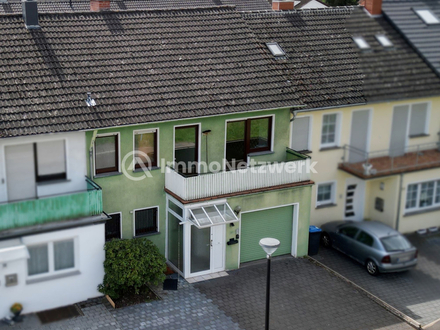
[16,310]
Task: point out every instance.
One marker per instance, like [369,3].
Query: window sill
[427,210]
[104,175]
[329,148]
[146,235]
[323,206]
[136,170]
[418,135]
[46,183]
[260,153]
[52,277]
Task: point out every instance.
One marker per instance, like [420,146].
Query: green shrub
[129,265]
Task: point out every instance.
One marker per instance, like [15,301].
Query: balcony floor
[389,166]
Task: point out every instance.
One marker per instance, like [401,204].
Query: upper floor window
[419,119]
[146,147]
[107,154]
[423,195]
[50,160]
[330,130]
[146,221]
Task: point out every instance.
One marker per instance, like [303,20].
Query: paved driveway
[304,296]
[416,293]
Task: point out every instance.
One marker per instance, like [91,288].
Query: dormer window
[427,16]
[383,40]
[361,43]
[275,49]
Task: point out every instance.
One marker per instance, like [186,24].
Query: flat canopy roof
[212,215]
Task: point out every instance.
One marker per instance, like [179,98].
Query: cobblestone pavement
[415,293]
[303,296]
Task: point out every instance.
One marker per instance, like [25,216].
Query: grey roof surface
[57,6]
[425,38]
[328,69]
[141,66]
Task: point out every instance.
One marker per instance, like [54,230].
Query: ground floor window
[145,221]
[51,257]
[325,193]
[113,227]
[423,195]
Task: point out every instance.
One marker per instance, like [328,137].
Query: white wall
[76,164]
[89,259]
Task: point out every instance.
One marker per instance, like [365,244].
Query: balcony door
[20,172]
[186,149]
[399,130]
[360,122]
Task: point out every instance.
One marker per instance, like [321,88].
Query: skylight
[427,16]
[361,43]
[383,40]
[275,49]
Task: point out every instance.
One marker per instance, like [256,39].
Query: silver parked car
[379,247]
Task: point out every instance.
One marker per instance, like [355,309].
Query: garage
[274,222]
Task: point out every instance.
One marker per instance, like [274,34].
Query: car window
[349,231]
[364,238]
[395,243]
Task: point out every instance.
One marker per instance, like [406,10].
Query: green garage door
[276,223]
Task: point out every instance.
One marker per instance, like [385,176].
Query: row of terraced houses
[206,127]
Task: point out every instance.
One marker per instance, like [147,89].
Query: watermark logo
[140,158]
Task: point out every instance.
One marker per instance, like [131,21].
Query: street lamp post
[269,245]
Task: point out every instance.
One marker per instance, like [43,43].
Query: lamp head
[269,245]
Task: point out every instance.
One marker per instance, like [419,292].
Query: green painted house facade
[210,218]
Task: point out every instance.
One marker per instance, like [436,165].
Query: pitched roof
[141,66]
[423,37]
[308,4]
[65,6]
[328,69]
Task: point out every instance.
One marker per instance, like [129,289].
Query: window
[423,195]
[50,160]
[145,144]
[364,238]
[418,122]
[383,40]
[247,136]
[348,231]
[51,257]
[113,227]
[361,43]
[106,154]
[325,193]
[329,130]
[395,243]
[145,221]
[300,134]
[275,49]
[427,16]
[378,204]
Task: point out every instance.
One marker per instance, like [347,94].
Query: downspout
[399,202]
[92,142]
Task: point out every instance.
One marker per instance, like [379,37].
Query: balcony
[52,208]
[250,179]
[367,165]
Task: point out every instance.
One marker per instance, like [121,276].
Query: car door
[345,238]
[362,248]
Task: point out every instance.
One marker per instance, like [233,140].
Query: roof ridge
[303,11]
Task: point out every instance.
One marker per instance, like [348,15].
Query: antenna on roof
[90,102]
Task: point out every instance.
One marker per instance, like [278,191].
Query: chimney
[283,4]
[374,7]
[30,14]
[99,5]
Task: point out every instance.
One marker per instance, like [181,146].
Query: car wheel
[372,268]
[326,241]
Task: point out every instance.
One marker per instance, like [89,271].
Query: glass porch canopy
[212,215]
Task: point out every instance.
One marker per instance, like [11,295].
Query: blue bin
[314,239]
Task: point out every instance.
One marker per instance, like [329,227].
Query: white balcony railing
[227,182]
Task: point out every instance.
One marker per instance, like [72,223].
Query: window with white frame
[325,193]
[146,221]
[107,154]
[419,119]
[423,195]
[329,132]
[146,148]
[51,257]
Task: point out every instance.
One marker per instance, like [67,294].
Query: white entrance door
[354,199]
[207,250]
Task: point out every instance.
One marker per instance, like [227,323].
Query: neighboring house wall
[75,164]
[57,288]
[381,119]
